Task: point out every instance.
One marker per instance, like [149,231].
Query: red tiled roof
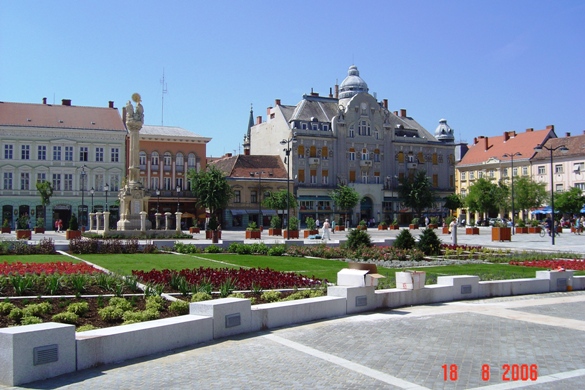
[575,144]
[510,142]
[240,166]
[60,116]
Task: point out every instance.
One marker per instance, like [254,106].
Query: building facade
[79,150]
[166,155]
[348,137]
[252,179]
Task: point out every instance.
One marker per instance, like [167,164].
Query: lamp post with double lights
[83,175]
[512,168]
[178,201]
[287,151]
[157,199]
[563,149]
[106,189]
[259,173]
[92,191]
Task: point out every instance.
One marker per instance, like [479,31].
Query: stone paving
[443,346]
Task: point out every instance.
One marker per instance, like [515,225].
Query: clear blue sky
[485,66]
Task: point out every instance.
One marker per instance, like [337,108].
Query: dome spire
[352,84]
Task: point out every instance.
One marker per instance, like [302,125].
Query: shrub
[120,303]
[73,224]
[429,243]
[293,223]
[404,240]
[35,309]
[155,303]
[275,222]
[213,249]
[78,308]
[179,307]
[16,314]
[310,222]
[358,239]
[66,317]
[271,296]
[111,313]
[6,307]
[30,320]
[277,250]
[132,317]
[85,328]
[201,296]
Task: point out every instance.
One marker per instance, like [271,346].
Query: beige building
[349,137]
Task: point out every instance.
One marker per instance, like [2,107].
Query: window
[313,176]
[191,160]
[364,128]
[314,126]
[515,172]
[41,177]
[254,196]
[364,177]
[541,170]
[68,153]
[377,155]
[154,183]
[365,155]
[435,159]
[167,159]
[492,172]
[142,158]
[578,167]
[154,159]
[7,180]
[377,134]
[8,152]
[463,193]
[179,159]
[524,171]
[350,132]
[325,176]
[301,176]
[167,183]
[400,157]
[57,181]
[114,155]
[472,175]
[25,152]
[312,151]
[352,176]
[435,180]
[558,168]
[304,126]
[237,196]
[504,172]
[99,182]
[99,154]
[463,175]
[558,187]
[83,153]
[24,181]
[301,151]
[115,182]
[377,178]
[580,186]
[179,183]
[68,182]
[325,127]
[41,152]
[351,154]
[56,153]
[324,153]
[479,174]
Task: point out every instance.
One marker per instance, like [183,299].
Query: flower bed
[58,267]
[575,264]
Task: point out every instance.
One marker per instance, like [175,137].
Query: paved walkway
[405,348]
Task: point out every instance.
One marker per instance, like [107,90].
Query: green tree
[569,202]
[345,198]
[485,196]
[211,190]
[416,192]
[453,202]
[45,190]
[528,194]
[278,201]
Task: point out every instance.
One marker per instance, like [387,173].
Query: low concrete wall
[34,352]
[124,342]
[503,288]
[357,299]
[230,316]
[273,315]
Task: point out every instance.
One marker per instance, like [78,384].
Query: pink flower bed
[575,265]
[58,267]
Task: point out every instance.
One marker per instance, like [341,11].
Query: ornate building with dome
[349,137]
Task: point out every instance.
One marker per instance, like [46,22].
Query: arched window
[154,158]
[142,158]
[324,153]
[301,151]
[191,160]
[313,151]
[179,160]
[168,158]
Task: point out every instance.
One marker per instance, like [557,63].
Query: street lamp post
[259,173]
[287,150]
[178,202]
[82,216]
[563,149]
[106,188]
[157,199]
[512,173]
[92,191]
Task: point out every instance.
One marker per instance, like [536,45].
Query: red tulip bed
[575,265]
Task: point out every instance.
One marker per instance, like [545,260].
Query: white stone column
[143,221]
[91,217]
[106,222]
[167,220]
[157,216]
[98,220]
[178,216]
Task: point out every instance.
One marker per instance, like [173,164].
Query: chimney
[268,111]
[246,151]
[124,114]
[386,103]
[396,113]
[111,104]
[258,119]
[567,134]
[529,130]
[403,112]
[228,154]
[550,127]
[44,100]
[330,93]
[66,102]
[485,144]
[506,136]
[336,91]
[475,140]
[277,102]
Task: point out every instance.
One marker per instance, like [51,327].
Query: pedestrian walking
[333,226]
[577,226]
[317,223]
[326,229]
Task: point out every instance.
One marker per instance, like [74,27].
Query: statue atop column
[134,122]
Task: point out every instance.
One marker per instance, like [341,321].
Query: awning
[268,212]
[238,212]
[187,215]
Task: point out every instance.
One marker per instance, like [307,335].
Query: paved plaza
[535,341]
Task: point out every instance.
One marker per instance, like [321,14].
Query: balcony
[314,161]
[411,165]
[366,163]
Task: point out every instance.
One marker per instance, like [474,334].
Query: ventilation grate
[362,300]
[232,320]
[466,289]
[45,354]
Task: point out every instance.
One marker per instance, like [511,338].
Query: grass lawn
[35,258]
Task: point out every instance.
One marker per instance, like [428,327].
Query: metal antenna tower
[164,91]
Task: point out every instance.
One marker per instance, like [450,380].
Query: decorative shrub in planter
[534,226]
[413,224]
[521,227]
[40,226]
[394,225]
[73,230]
[311,228]
[362,225]
[194,229]
[500,232]
[6,227]
[293,229]
[209,234]
[252,231]
[434,224]
[275,229]
[383,226]
[23,231]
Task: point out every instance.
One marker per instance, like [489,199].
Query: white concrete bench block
[578,282]
[273,315]
[358,299]
[231,316]
[108,345]
[34,352]
[464,286]
[503,288]
[558,280]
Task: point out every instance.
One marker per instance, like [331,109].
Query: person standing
[577,226]
[317,223]
[326,229]
[333,226]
